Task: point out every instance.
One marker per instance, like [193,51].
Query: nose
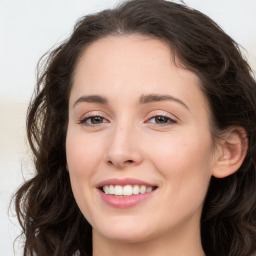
[123,149]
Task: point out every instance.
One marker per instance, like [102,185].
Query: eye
[92,120]
[161,120]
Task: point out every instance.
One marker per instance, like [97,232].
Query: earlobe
[232,151]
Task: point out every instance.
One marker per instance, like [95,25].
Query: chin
[125,231]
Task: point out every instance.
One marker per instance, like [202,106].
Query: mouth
[126,190]
[125,193]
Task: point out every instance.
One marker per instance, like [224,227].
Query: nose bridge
[123,148]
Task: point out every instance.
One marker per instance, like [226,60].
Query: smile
[127,190]
[125,193]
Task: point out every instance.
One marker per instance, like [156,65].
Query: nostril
[120,164]
[110,162]
[129,161]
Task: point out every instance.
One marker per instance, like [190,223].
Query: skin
[177,155]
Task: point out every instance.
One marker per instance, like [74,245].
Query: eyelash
[167,120]
[84,120]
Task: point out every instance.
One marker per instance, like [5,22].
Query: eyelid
[89,115]
[171,121]
[161,113]
[172,118]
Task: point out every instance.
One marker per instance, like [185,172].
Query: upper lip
[123,182]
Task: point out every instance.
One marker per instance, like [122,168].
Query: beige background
[27,30]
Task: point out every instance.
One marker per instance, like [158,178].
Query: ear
[231,152]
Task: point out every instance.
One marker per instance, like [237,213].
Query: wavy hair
[51,221]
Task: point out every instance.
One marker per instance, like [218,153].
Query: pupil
[161,119]
[96,119]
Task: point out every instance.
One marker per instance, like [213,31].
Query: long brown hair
[51,221]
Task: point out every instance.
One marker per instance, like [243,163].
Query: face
[139,147]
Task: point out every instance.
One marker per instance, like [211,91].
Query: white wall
[27,30]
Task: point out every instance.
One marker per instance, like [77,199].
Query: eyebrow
[160,97]
[91,99]
[144,99]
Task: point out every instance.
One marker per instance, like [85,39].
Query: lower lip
[124,201]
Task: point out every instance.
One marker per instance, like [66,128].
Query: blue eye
[161,120]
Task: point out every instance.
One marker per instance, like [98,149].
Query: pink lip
[123,182]
[124,201]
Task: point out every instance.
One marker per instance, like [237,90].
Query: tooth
[142,189]
[127,190]
[118,190]
[111,190]
[106,189]
[149,189]
[136,190]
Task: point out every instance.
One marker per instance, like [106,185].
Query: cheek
[181,152]
[81,161]
[185,161]
[82,154]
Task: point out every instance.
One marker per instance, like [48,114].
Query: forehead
[120,45]
[120,65]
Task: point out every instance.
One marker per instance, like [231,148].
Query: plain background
[30,28]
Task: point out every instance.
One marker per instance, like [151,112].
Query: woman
[143,132]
